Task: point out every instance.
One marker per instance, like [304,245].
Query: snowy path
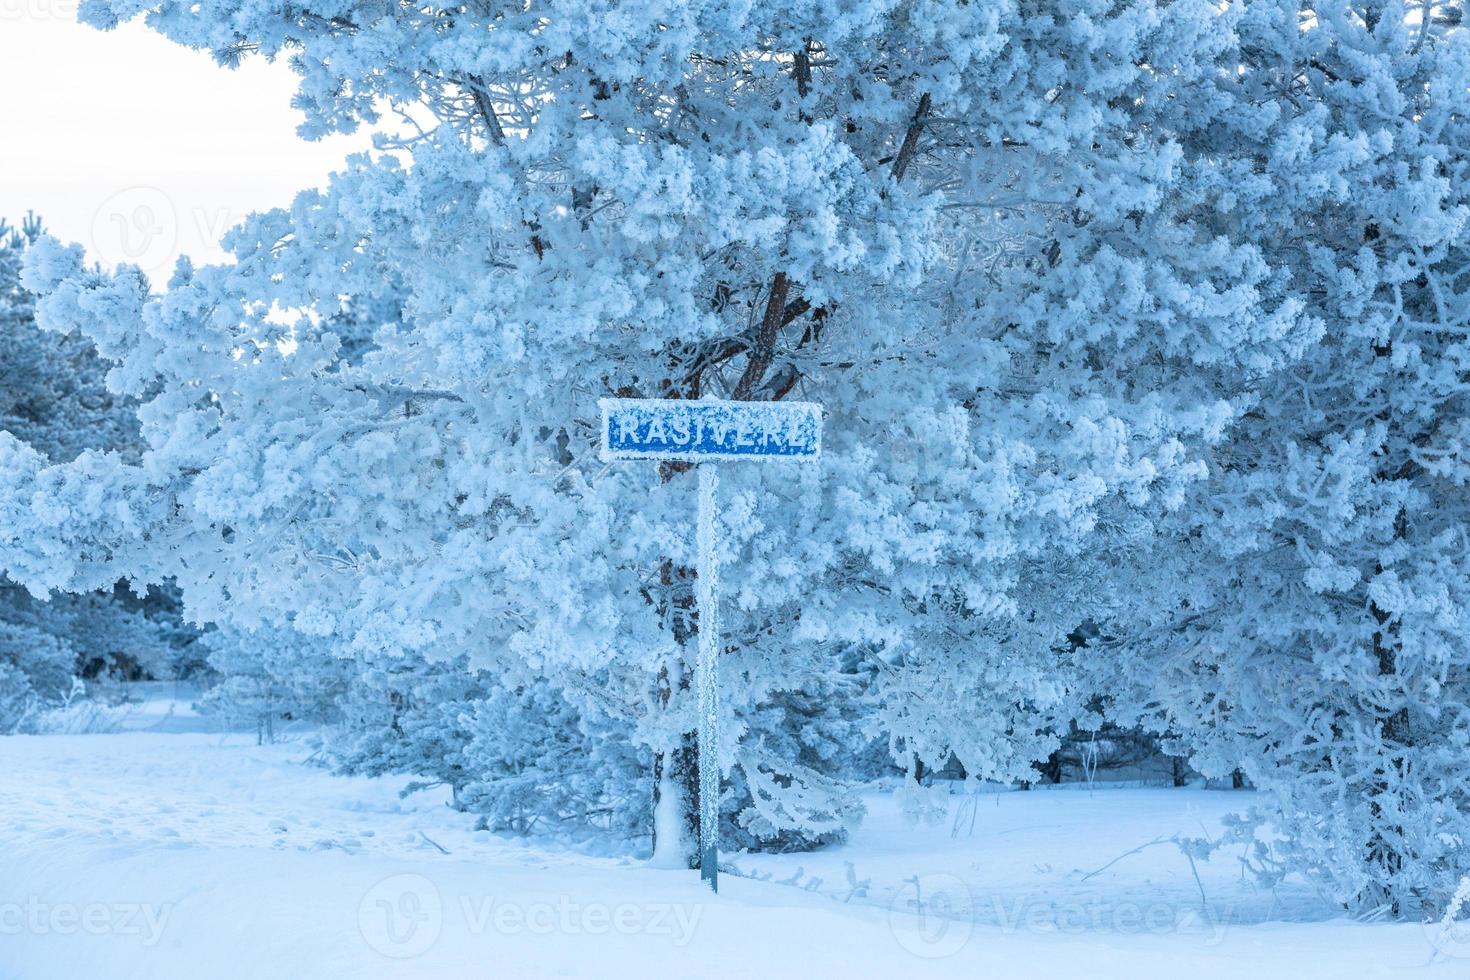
[158,856]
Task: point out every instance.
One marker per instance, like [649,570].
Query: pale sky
[140,149]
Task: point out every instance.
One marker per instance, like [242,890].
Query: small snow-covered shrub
[36,671]
[272,676]
[798,760]
[79,714]
[404,716]
[540,765]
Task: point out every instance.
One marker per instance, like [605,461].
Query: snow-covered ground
[167,853]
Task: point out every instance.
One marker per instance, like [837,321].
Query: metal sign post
[706,433]
[707,676]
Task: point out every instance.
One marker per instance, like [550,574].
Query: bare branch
[911,139]
[765,341]
[487,111]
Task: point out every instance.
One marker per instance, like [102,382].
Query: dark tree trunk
[1384,847]
[682,763]
[685,773]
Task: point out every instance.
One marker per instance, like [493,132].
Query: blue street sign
[646,428]
[709,432]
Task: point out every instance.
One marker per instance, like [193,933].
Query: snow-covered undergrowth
[167,854]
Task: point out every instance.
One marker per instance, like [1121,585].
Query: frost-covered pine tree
[1306,617]
[55,402]
[55,397]
[972,231]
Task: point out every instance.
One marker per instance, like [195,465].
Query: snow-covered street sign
[708,432]
[695,431]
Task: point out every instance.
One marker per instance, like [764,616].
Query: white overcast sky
[140,149]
